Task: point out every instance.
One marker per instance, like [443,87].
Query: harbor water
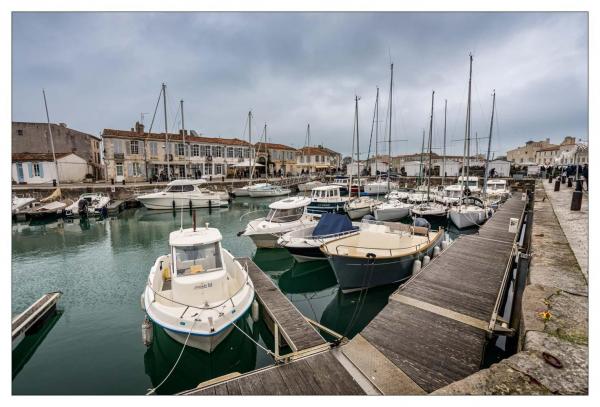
[93,344]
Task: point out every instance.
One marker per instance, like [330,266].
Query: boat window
[174,188]
[191,260]
[285,215]
[187,188]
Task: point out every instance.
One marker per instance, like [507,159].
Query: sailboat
[429,207]
[470,211]
[361,206]
[244,191]
[393,208]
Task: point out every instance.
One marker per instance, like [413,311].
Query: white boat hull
[269,192]
[467,219]
[170,202]
[265,241]
[204,343]
[240,192]
[383,214]
[358,213]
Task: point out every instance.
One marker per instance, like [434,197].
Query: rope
[255,342]
[152,391]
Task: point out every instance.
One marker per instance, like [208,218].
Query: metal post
[51,140]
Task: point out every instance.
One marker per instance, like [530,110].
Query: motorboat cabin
[327,198]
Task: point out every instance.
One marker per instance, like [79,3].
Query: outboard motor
[368,217]
[422,222]
[83,207]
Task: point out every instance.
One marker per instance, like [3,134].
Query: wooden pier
[29,318]
[433,331]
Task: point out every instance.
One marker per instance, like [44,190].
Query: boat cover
[331,223]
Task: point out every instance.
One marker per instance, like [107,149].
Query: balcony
[168,157]
[119,156]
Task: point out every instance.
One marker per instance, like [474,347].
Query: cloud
[101,70]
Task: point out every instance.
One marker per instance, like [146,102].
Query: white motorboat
[266,190]
[284,215]
[397,194]
[379,187]
[429,209]
[308,186]
[21,203]
[197,291]
[221,195]
[88,204]
[327,198]
[471,212]
[183,193]
[358,207]
[245,190]
[342,182]
[303,244]
[497,189]
[451,194]
[392,209]
[472,183]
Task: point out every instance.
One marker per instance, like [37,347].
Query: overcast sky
[102,70]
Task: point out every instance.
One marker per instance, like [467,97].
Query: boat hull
[391,213]
[325,207]
[268,193]
[237,192]
[204,343]
[358,213]
[306,253]
[265,240]
[178,203]
[467,219]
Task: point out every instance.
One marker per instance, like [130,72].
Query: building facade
[39,168]
[275,159]
[317,160]
[34,138]
[135,155]
[527,153]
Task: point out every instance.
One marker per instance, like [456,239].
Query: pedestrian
[584,172]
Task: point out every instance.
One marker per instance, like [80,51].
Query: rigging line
[372,127]
[152,391]
[155,110]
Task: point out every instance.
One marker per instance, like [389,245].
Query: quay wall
[553,337]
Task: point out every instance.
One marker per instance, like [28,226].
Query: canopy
[246,163]
[331,223]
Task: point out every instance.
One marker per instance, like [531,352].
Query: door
[20,176]
[119,172]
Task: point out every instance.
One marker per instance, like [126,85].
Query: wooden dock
[433,331]
[28,319]
[282,317]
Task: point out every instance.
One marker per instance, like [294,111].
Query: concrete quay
[553,343]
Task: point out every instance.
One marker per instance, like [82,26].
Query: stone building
[33,138]
[135,155]
[317,159]
[275,158]
[527,154]
[39,168]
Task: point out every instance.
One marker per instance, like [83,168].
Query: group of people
[568,171]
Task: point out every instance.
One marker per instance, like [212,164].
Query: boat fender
[255,311]
[147,333]
[142,302]
[426,260]
[416,267]
[436,251]
[173,203]
[444,245]
[241,232]
[166,274]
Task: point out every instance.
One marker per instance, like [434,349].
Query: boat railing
[376,250]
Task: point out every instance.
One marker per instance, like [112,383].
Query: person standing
[584,172]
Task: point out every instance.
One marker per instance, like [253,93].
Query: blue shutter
[30,168]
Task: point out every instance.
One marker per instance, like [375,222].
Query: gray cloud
[104,69]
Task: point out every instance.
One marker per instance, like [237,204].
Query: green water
[94,346]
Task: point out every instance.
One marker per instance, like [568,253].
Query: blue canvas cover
[331,223]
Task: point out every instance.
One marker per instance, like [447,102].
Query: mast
[357,149]
[250,141]
[376,128]
[421,160]
[352,156]
[185,148]
[430,136]
[266,151]
[390,126]
[51,142]
[467,150]
[487,159]
[444,159]
[167,149]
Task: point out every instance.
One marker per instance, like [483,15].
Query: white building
[452,168]
[378,166]
[352,168]
[501,167]
[30,168]
[413,168]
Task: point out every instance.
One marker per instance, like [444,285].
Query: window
[195,150]
[119,170]
[174,188]
[153,148]
[207,169]
[218,169]
[238,152]
[19,132]
[204,151]
[246,153]
[37,172]
[118,147]
[136,169]
[197,259]
[180,149]
[187,188]
[133,144]
[217,151]
[285,215]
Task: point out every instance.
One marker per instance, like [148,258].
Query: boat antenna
[51,142]
[430,135]
[487,159]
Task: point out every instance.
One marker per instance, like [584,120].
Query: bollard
[550,180]
[112,181]
[576,200]
[209,206]
[53,182]
[557,185]
[569,182]
[563,179]
[579,186]
[123,182]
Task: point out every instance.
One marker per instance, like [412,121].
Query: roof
[38,156]
[316,151]
[261,145]
[54,126]
[187,237]
[290,203]
[552,148]
[112,133]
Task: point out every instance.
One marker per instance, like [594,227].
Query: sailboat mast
[51,140]
[357,149]
[430,137]
[185,148]
[467,128]
[390,127]
[250,141]
[444,159]
[487,159]
[167,149]
[421,160]
[376,128]
[266,151]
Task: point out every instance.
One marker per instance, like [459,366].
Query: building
[39,168]
[34,138]
[277,159]
[135,155]
[317,159]
[570,152]
[501,168]
[527,153]
[452,168]
[353,167]
[546,155]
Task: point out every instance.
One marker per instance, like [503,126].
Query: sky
[104,70]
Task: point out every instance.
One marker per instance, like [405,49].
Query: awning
[246,163]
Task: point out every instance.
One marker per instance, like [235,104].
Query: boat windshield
[285,215]
[180,188]
[197,259]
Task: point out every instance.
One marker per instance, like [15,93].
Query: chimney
[548,140]
[62,124]
[139,128]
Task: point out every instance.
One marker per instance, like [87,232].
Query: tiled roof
[37,156]
[111,133]
[261,146]
[316,151]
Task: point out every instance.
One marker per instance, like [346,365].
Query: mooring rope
[252,339]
